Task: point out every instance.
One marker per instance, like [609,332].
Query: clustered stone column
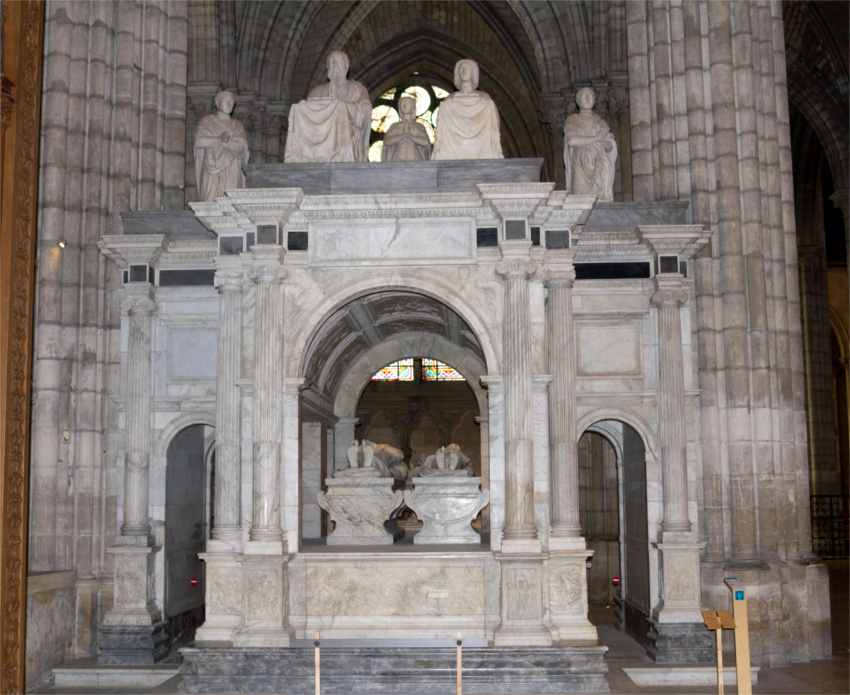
[668,297]
[139,304]
[562,402]
[267,273]
[228,455]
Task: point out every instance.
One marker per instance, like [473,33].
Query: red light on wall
[615,581]
[193,581]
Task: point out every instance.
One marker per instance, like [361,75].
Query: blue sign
[739,595]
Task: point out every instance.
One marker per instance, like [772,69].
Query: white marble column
[137,301]
[228,457]
[669,296]
[223,571]
[562,400]
[266,270]
[516,268]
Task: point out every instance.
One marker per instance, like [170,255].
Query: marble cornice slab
[683,240]
[615,398]
[137,248]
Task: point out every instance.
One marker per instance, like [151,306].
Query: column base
[132,645]
[680,643]
[567,595]
[265,602]
[522,602]
[223,599]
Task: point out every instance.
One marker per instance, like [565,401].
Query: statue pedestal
[446,505]
[360,504]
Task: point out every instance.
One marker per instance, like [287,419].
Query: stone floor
[828,677]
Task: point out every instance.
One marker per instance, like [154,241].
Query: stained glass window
[434,370]
[397,371]
[428,98]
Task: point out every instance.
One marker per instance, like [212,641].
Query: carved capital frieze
[266,274]
[137,300]
[516,268]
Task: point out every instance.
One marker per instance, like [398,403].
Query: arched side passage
[639,424]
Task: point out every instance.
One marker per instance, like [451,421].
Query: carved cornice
[684,240]
[20,186]
[136,248]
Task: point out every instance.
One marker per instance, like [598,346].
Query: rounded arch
[357,377]
[635,421]
[178,424]
[296,358]
[842,332]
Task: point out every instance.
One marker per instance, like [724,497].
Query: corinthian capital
[516,268]
[266,273]
[228,280]
[137,300]
[669,296]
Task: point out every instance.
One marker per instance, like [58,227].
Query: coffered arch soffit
[360,326]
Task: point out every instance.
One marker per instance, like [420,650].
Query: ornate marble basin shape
[446,506]
[360,505]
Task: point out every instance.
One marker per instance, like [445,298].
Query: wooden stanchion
[742,636]
[318,665]
[712,622]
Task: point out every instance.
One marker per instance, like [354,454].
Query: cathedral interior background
[657,383]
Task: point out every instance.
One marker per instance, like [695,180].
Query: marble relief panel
[610,349]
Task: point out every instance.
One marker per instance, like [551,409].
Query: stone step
[86,673]
[684,676]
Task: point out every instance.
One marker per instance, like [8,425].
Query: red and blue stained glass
[397,371]
[434,370]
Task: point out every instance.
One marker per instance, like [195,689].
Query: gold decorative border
[24,22]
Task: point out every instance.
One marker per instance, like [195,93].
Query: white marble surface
[359,506]
[446,506]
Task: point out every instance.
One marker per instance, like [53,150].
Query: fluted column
[138,303]
[562,401]
[668,297]
[267,273]
[228,459]
[519,473]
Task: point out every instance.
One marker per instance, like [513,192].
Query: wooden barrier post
[742,636]
[318,664]
[459,665]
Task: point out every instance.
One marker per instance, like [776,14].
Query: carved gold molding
[23,29]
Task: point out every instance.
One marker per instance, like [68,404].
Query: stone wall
[51,598]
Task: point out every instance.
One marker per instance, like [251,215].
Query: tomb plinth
[446,505]
[346,178]
[360,503]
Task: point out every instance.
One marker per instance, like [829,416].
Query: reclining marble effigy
[446,498]
[333,123]
[361,498]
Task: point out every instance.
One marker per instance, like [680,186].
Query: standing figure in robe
[221,150]
[468,121]
[590,150]
[333,123]
[407,140]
